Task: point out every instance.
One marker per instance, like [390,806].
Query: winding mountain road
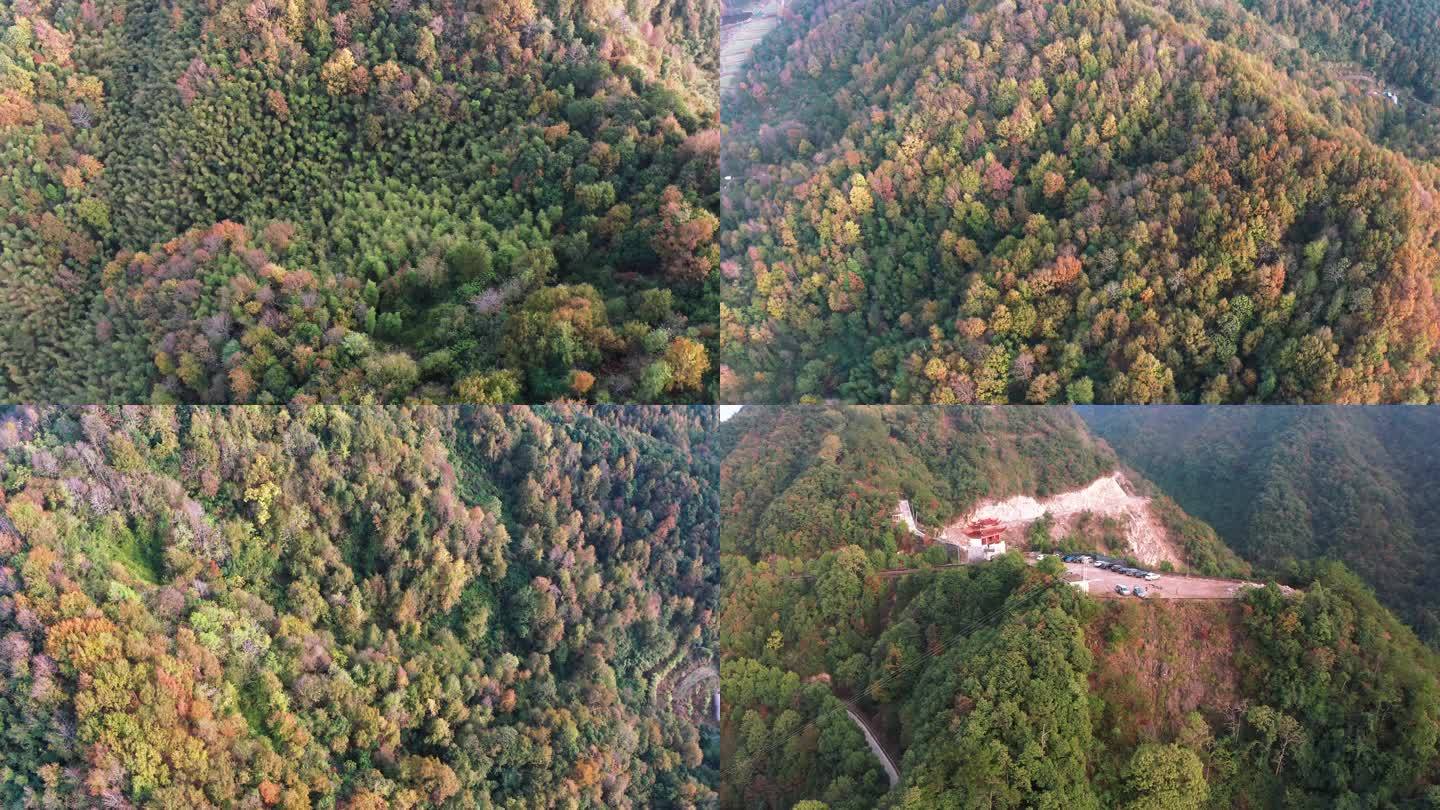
[739,39]
[1100,583]
[886,761]
[692,679]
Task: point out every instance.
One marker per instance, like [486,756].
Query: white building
[983,550]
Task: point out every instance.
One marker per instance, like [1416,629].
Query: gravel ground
[1168,586]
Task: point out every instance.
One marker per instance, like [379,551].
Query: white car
[1152,576]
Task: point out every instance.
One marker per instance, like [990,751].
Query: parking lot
[1168,586]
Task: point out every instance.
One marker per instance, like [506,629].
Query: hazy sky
[727,411]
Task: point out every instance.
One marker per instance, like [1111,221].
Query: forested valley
[1131,201]
[271,201]
[1286,486]
[997,685]
[360,608]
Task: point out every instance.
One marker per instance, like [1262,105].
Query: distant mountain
[1285,486]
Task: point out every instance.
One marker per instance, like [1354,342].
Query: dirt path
[900,572]
[906,515]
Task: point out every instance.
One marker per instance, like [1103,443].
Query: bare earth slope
[1109,496]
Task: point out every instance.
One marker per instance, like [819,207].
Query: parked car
[1152,576]
[1122,590]
[1099,563]
[1140,591]
[1085,558]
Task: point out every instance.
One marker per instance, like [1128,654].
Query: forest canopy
[1128,201]
[357,608]
[319,200]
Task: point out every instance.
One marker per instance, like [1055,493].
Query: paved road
[1103,582]
[736,41]
[891,772]
[692,679]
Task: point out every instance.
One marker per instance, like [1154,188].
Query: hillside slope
[999,685]
[784,468]
[803,480]
[1107,200]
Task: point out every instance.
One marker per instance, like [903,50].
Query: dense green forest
[997,685]
[784,740]
[1285,486]
[368,607]
[1084,201]
[321,200]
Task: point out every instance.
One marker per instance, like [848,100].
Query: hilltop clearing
[1107,497]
